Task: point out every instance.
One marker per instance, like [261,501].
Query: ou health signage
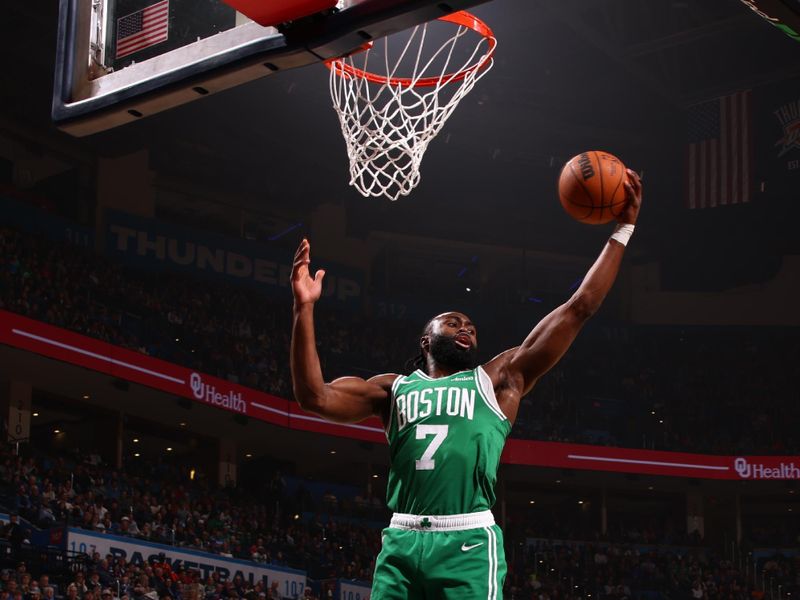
[60,344]
[89,353]
[650,462]
[291,582]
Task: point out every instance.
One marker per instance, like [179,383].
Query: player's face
[452,341]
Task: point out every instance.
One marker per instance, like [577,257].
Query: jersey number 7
[426,462]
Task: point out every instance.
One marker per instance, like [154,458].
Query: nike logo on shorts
[464,547]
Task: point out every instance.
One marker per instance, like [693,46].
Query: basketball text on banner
[292,582]
[352,590]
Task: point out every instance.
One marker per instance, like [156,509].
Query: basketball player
[446,423]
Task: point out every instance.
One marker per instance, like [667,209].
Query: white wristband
[622,233]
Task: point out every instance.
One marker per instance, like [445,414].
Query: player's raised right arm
[346,400]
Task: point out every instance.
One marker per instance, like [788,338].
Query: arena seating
[695,389]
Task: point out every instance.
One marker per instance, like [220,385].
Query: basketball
[591,188]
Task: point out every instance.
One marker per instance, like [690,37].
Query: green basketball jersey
[445,439]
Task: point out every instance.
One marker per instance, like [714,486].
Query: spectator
[80,584]
[10,590]
[584,399]
[274,594]
[14,532]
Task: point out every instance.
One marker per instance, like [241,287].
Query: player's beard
[447,353]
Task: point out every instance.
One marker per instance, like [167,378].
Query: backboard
[122,60]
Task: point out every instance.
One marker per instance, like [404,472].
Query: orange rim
[461,18]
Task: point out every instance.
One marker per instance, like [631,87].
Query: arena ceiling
[570,75]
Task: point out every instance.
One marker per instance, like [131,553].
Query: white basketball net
[387,126]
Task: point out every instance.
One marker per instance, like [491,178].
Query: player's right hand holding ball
[633,198]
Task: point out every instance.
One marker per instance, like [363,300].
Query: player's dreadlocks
[419,361]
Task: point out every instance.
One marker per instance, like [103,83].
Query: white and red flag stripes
[719,161]
[143,28]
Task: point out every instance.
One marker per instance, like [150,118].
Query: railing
[54,561]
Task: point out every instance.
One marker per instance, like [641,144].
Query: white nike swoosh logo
[464,547]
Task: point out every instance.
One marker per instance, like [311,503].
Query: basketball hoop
[388,120]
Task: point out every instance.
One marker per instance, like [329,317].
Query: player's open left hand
[633,197]
[306,289]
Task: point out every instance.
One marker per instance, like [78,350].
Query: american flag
[719,165]
[143,28]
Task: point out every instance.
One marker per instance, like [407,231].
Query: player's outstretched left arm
[517,370]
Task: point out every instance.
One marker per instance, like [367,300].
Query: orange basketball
[591,188]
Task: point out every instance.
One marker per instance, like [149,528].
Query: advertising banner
[352,590]
[54,342]
[292,582]
[155,245]
[776,115]
[23,215]
[77,349]
[650,462]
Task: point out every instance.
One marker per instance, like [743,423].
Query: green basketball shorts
[440,558]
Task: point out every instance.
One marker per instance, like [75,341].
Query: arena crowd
[702,390]
[160,503]
[548,557]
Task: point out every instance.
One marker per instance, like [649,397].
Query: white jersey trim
[424,375]
[492,545]
[392,396]
[486,390]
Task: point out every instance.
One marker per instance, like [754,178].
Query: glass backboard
[123,60]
